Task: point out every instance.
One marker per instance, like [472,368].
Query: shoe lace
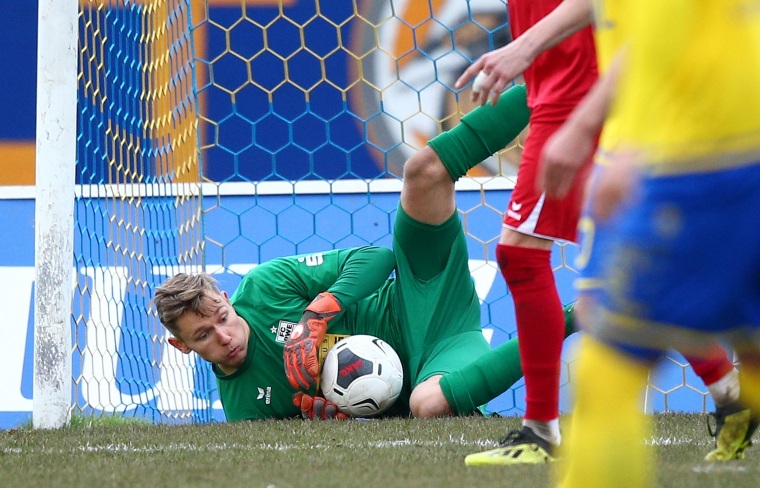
[525,436]
[512,437]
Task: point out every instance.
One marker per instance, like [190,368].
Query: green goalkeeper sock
[482,132]
[484,379]
[490,375]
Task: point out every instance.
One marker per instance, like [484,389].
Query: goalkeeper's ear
[177,343]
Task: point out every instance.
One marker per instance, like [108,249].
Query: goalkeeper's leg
[463,391]
[427,202]
[489,375]
[427,195]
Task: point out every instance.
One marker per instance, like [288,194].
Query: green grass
[299,454]
[87,421]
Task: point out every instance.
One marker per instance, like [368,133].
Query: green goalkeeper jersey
[272,297]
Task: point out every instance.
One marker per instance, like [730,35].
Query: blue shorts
[681,265]
[594,238]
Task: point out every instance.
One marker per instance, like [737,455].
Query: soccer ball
[362,375]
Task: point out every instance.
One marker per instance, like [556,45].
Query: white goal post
[54,211]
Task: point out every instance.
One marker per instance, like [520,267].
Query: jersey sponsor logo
[283,330]
[516,206]
[265,394]
[312,259]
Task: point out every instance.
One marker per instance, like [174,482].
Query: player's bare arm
[501,66]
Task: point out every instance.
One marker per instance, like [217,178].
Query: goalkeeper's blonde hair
[183,293]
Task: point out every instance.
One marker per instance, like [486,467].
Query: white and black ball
[362,375]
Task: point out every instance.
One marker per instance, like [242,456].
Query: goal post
[54,211]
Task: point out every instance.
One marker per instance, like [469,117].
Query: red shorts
[530,212]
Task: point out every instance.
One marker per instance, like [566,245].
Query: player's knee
[425,166]
[427,400]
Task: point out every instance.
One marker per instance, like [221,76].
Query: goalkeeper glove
[317,408]
[300,354]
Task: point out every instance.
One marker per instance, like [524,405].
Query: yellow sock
[605,442]
[749,381]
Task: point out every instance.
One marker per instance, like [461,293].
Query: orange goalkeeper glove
[300,354]
[317,408]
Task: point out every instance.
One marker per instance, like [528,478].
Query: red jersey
[560,77]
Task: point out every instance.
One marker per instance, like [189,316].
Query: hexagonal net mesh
[217,135]
[138,209]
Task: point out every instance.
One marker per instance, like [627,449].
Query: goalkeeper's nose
[224,338]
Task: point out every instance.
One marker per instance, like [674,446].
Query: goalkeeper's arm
[364,271]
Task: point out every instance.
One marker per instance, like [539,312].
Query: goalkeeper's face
[218,335]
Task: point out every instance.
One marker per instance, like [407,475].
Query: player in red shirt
[558,74]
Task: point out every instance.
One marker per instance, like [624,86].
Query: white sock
[549,431]
[725,390]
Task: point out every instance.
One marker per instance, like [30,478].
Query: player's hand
[317,408]
[499,67]
[563,155]
[617,186]
[300,354]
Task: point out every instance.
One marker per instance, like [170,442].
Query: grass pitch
[299,454]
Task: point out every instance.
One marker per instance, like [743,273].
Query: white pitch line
[678,441]
[125,447]
[712,468]
[389,444]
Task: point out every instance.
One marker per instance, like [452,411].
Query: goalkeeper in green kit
[429,312]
